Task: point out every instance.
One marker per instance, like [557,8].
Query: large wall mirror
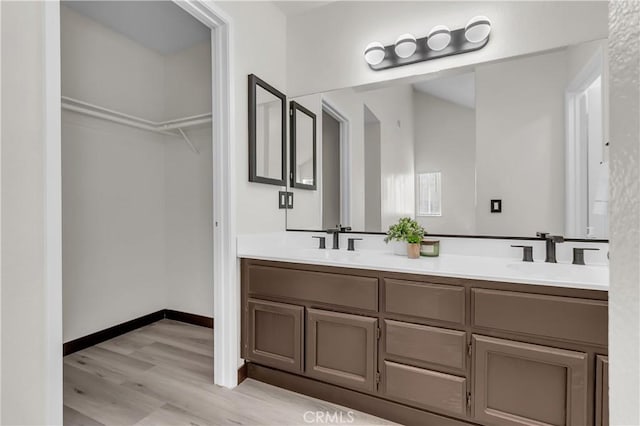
[267,133]
[505,148]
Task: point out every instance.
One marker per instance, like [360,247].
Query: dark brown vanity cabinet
[342,349]
[275,334]
[602,390]
[524,384]
[428,350]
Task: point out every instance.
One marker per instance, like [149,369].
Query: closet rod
[164,127]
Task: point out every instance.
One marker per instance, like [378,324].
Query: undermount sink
[329,254]
[551,270]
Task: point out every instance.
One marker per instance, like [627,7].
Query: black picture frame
[254,82]
[294,108]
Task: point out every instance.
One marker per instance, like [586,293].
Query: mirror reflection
[501,149]
[303,147]
[268,134]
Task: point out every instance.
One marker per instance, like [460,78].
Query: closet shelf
[175,127]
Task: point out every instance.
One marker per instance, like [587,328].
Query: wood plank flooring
[162,374]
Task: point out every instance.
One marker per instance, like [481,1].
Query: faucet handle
[578,254]
[543,235]
[527,253]
[350,243]
[556,238]
[321,242]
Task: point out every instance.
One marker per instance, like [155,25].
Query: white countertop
[446,265]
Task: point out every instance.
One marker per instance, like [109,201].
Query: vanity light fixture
[439,38]
[477,29]
[374,53]
[405,46]
[438,43]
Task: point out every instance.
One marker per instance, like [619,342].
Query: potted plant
[413,244]
[399,235]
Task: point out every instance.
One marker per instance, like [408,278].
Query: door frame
[575,172]
[225,267]
[345,160]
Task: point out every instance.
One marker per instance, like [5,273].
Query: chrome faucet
[336,234]
[551,241]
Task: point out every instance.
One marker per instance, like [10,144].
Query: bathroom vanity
[428,349]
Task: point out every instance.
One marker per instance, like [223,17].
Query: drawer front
[425,300]
[425,388]
[333,289]
[428,344]
[566,318]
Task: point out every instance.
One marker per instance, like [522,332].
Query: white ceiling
[297,7]
[459,89]
[158,25]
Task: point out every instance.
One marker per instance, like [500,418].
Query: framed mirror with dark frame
[303,147]
[267,133]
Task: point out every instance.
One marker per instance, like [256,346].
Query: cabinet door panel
[524,384]
[342,349]
[275,334]
[602,390]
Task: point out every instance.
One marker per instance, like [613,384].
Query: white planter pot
[399,247]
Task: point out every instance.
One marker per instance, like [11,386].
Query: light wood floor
[162,374]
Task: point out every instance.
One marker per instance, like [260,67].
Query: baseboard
[120,329]
[366,403]
[194,319]
[242,373]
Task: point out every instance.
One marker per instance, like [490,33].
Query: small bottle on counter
[430,248]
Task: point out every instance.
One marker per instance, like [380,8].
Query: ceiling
[158,25]
[293,7]
[459,89]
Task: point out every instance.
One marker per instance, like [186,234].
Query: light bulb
[405,45]
[477,29]
[374,53]
[439,37]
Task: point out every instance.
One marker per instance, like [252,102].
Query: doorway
[330,171]
[372,175]
[587,168]
[226,303]
[335,164]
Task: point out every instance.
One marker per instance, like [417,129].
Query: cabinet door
[342,349]
[275,334]
[602,390]
[524,384]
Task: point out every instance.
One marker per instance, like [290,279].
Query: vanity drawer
[425,300]
[559,317]
[332,289]
[425,388]
[427,344]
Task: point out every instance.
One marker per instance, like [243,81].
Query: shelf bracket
[188,141]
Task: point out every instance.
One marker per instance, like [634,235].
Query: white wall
[23,310]
[624,293]
[520,145]
[188,185]
[137,206]
[320,59]
[446,142]
[259,47]
[393,107]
